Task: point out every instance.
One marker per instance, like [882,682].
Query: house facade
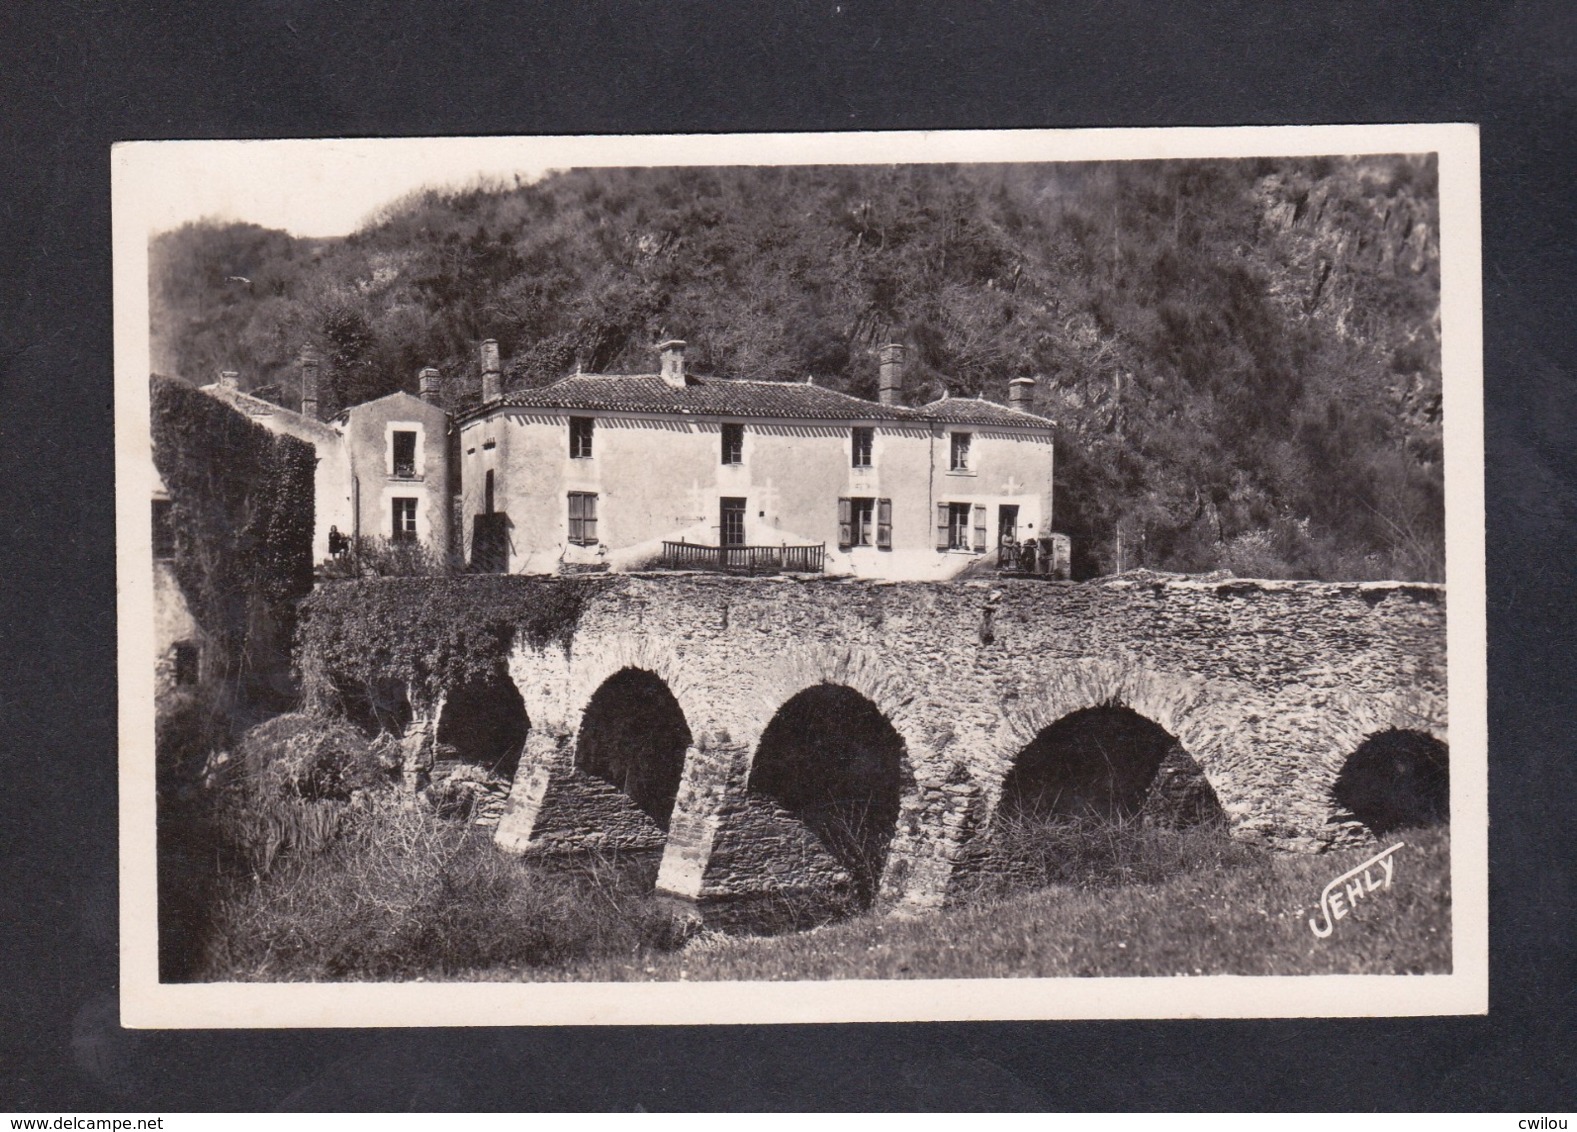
[617,469]
[383,466]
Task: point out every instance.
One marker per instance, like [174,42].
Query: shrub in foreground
[402,893]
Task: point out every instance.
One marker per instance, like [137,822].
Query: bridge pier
[554,807]
[731,846]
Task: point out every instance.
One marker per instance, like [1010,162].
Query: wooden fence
[744,559]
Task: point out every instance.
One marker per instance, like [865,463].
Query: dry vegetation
[399,893]
[404,894]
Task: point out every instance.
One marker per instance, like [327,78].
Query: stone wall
[1268,686]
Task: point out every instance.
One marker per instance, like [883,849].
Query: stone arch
[596,659]
[1200,716]
[483,723]
[1347,720]
[1107,762]
[379,707]
[860,670]
[831,761]
[634,736]
[1396,778]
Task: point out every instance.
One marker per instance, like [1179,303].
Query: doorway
[1007,523]
[731,522]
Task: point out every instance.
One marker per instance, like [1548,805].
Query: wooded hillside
[1242,356]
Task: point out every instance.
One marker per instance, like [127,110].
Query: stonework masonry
[1268,686]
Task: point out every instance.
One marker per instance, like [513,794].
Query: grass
[404,894]
[1250,918]
[400,893]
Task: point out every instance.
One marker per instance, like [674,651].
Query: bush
[314,758]
[403,893]
[372,556]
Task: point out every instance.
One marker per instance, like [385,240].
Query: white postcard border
[144,173]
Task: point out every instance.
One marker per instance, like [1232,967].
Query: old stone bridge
[857,739]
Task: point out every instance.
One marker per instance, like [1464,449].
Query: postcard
[801,578]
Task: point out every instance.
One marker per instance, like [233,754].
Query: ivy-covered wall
[241,506]
[429,634]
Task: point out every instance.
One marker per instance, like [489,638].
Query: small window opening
[405,455]
[864,441]
[186,659]
[733,444]
[960,451]
[163,530]
[580,438]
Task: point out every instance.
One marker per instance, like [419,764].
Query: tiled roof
[256,407]
[711,396]
[968,410]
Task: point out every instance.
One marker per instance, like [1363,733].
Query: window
[404,520]
[186,660]
[865,522]
[731,524]
[583,517]
[960,526]
[405,455]
[864,519]
[487,493]
[960,452]
[580,438]
[863,441]
[733,444]
[163,530]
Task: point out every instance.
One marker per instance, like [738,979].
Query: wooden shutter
[980,527]
[942,539]
[884,524]
[845,524]
[576,513]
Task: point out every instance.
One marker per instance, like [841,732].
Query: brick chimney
[309,382]
[492,375]
[228,379]
[427,385]
[1021,394]
[672,352]
[890,387]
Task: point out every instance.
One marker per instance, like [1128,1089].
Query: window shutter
[942,539]
[980,527]
[884,524]
[845,525]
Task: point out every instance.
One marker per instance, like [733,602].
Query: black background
[75,78]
